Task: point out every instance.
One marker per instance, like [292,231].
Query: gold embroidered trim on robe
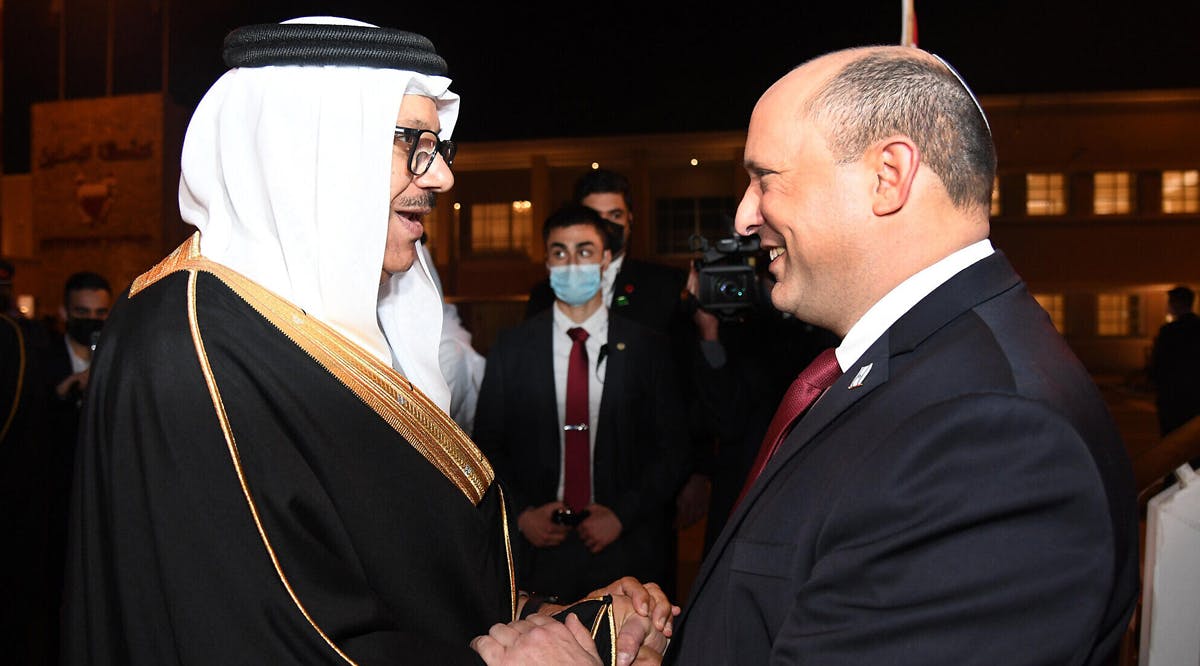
[426,427]
[512,574]
[605,623]
[603,626]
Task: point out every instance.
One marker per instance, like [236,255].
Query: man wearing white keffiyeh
[267,473]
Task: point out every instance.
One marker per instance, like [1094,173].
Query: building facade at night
[1097,205]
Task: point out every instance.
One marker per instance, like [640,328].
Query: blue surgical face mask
[575,284]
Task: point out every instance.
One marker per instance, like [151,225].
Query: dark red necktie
[577,467]
[804,391]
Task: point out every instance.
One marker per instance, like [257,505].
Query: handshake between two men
[628,623]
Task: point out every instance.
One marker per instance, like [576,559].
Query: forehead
[604,201]
[88,298]
[418,111]
[780,130]
[574,235]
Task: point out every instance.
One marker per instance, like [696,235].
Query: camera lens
[730,289]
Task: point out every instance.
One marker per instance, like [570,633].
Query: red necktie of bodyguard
[577,467]
[804,391]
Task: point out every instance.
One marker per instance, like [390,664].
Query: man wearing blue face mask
[580,415]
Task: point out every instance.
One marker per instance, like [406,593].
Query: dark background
[582,69]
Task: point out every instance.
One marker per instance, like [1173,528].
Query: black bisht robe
[253,488]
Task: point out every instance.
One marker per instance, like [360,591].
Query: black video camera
[728,283]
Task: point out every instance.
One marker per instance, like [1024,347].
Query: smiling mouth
[775,252]
[412,217]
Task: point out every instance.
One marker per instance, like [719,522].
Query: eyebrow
[756,168]
[560,244]
[415,123]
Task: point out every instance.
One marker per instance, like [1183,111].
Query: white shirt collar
[609,279]
[78,363]
[902,298]
[596,325]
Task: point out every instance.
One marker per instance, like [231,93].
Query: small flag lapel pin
[861,376]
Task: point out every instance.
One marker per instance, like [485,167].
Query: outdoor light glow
[595,165]
[457,206]
[25,305]
[695,162]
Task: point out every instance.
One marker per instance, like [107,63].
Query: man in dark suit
[958,493]
[1175,362]
[87,298]
[632,429]
[650,294]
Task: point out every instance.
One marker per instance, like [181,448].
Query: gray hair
[883,94]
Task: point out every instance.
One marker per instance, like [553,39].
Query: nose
[439,178]
[748,220]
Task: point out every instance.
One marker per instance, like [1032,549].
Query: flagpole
[165,8]
[109,47]
[62,47]
[908,23]
[1,100]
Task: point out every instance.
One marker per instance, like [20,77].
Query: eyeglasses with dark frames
[423,148]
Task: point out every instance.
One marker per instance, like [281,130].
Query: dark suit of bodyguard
[639,448]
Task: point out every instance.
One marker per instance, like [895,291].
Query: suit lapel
[539,359]
[614,380]
[832,404]
[867,373]
[623,286]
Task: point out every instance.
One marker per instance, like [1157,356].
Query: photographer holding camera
[748,354]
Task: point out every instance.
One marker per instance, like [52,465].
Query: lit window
[1181,191]
[1053,305]
[1045,194]
[677,220]
[1113,193]
[501,227]
[1118,315]
[996,196]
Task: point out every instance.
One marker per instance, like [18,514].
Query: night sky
[578,69]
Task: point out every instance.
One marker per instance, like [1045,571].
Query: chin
[399,264]
[782,302]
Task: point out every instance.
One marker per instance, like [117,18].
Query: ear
[62,312]
[606,259]
[895,163]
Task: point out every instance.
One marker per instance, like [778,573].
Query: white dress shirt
[608,279]
[78,363]
[597,329]
[902,298]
